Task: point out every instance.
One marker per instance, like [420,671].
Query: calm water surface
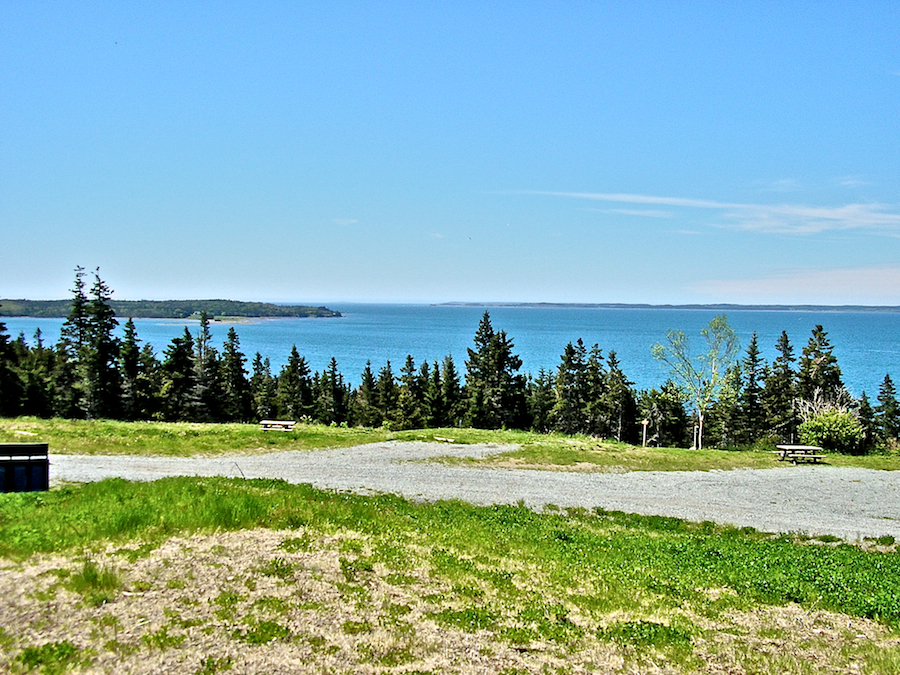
[867,344]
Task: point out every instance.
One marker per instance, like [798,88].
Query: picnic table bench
[800,453]
[24,467]
[277,425]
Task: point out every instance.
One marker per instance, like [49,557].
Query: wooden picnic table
[277,425]
[800,453]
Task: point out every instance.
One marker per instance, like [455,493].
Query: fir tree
[620,402]
[208,392]
[10,384]
[388,392]
[130,367]
[177,379]
[100,356]
[451,392]
[364,402]
[540,400]
[568,414]
[867,420]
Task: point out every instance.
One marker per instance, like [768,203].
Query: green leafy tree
[495,389]
[701,377]
[835,431]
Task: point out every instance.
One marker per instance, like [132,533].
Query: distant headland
[720,307]
[169,309]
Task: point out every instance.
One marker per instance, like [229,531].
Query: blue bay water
[867,344]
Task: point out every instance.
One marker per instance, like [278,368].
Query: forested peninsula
[168,309]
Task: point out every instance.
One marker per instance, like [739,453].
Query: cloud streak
[796,219]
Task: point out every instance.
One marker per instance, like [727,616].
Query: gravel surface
[844,502]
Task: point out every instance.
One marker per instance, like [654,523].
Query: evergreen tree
[332,397]
[780,393]
[620,401]
[148,385]
[36,374]
[495,390]
[262,388]
[235,388]
[887,412]
[208,392]
[293,393]
[752,419]
[388,393]
[867,420]
[568,414]
[177,379]
[598,411]
[364,402]
[100,356]
[819,373]
[435,406]
[451,392]
[668,420]
[541,399]
[73,340]
[10,384]
[130,367]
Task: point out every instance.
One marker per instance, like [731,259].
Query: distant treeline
[718,398]
[168,309]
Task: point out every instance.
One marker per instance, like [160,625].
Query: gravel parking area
[817,500]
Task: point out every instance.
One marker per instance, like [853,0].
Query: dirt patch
[265,601]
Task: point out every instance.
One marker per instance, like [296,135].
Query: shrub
[834,430]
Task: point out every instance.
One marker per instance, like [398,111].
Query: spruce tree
[364,402]
[780,392]
[495,389]
[208,392]
[100,357]
[568,414]
[867,420]
[177,379]
[294,391]
[236,402]
[262,388]
[751,413]
[10,383]
[388,393]
[541,399]
[130,367]
[819,373]
[435,406]
[451,392]
[620,401]
[887,412]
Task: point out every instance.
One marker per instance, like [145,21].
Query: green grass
[549,451]
[592,561]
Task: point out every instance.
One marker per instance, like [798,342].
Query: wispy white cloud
[777,218]
[877,285]
[643,213]
[344,221]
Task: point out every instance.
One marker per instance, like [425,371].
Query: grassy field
[544,451]
[215,575]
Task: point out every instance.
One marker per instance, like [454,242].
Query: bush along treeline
[720,398]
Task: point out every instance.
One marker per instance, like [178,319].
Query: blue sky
[654,152]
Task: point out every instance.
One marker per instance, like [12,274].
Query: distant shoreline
[169,309]
[724,307]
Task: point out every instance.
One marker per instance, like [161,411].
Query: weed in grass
[643,634]
[301,544]
[161,639]
[120,648]
[885,541]
[272,604]
[97,584]
[136,553]
[278,567]
[469,619]
[351,569]
[262,632]
[397,579]
[212,665]
[51,658]
[356,627]
[227,602]
[6,640]
[359,595]
[176,584]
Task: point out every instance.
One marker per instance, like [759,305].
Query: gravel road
[847,503]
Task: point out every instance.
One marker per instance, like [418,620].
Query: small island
[169,309]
